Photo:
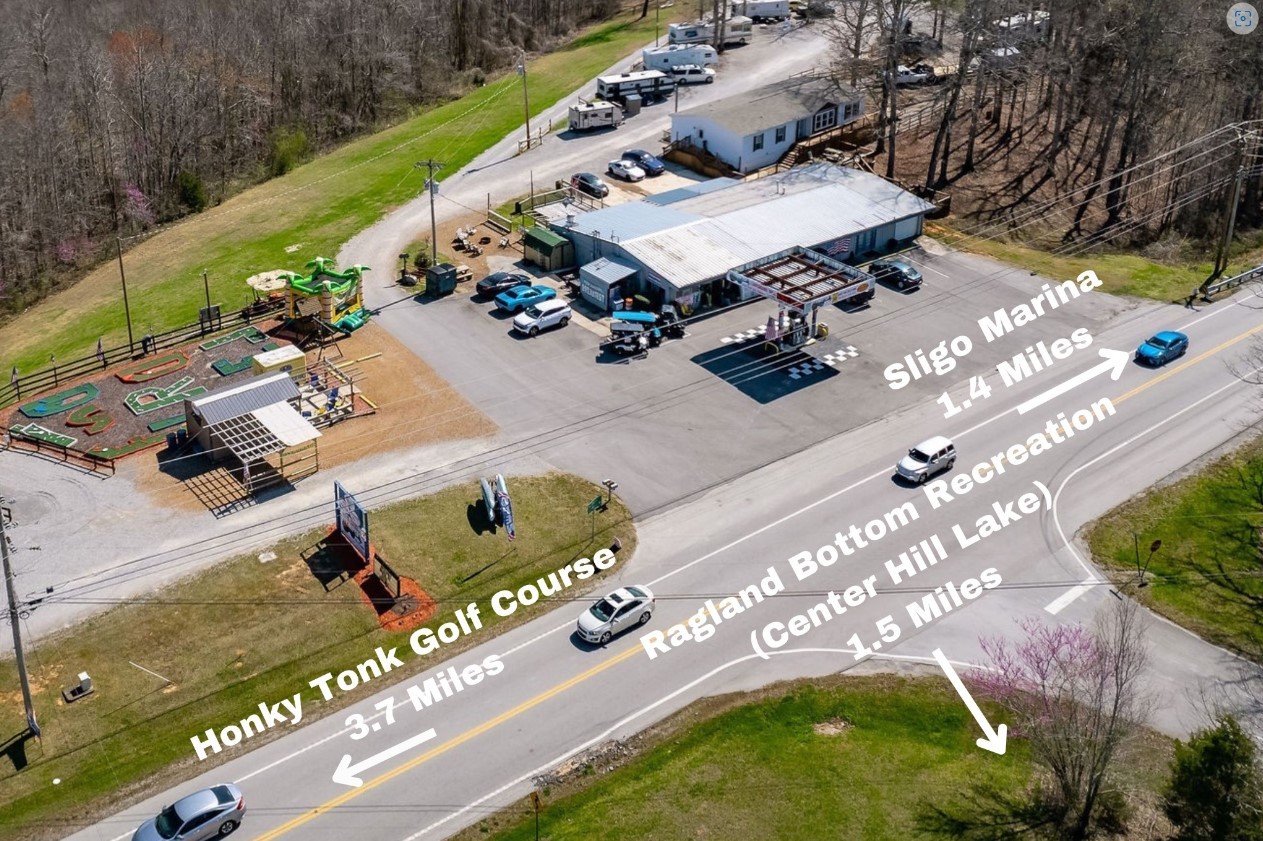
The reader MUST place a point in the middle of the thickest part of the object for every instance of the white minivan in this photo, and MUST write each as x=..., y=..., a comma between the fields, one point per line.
x=542, y=316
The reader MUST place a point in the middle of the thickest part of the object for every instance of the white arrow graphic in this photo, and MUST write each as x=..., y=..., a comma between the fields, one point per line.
x=1115, y=361
x=995, y=738
x=348, y=774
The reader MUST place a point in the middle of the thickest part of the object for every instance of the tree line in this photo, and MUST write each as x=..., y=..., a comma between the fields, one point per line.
x=1146, y=109
x=119, y=115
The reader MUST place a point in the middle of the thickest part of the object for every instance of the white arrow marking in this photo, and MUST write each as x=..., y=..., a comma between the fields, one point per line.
x=348, y=774
x=1115, y=361
x=995, y=738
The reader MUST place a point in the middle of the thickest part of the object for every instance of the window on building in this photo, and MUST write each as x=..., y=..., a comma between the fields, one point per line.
x=825, y=119
x=780, y=134
x=758, y=141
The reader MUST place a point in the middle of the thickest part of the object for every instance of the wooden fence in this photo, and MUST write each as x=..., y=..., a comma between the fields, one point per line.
x=22, y=385
x=21, y=443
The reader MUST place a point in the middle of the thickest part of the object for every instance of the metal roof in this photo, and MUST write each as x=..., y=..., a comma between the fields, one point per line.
x=627, y=221
x=264, y=431
x=539, y=235
x=242, y=399
x=608, y=271
x=773, y=105
x=700, y=188
x=807, y=206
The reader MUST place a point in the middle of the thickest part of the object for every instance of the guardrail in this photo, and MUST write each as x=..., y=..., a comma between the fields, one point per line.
x=1228, y=283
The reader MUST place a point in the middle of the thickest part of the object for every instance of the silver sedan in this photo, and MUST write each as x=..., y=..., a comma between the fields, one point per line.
x=210, y=813
x=625, y=608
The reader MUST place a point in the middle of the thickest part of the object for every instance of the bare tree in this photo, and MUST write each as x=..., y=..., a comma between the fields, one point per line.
x=1074, y=693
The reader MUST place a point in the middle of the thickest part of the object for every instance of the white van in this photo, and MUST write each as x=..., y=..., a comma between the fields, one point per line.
x=542, y=316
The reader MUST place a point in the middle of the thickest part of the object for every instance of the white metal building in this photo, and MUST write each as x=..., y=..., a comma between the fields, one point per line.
x=755, y=129
x=683, y=243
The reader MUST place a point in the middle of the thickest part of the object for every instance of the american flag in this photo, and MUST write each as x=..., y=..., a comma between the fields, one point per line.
x=839, y=246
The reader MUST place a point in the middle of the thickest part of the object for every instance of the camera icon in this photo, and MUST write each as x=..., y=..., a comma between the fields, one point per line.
x=1243, y=18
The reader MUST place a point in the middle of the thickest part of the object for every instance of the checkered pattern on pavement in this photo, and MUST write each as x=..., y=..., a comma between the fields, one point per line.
x=831, y=360
x=745, y=336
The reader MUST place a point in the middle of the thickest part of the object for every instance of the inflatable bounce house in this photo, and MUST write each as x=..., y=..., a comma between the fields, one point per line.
x=326, y=302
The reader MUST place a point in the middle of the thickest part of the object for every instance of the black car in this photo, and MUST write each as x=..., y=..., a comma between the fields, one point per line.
x=494, y=284
x=898, y=272
x=586, y=182
x=650, y=164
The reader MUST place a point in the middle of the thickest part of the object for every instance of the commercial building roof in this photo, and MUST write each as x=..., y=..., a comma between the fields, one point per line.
x=681, y=193
x=627, y=221
x=701, y=237
x=242, y=399
x=608, y=271
x=773, y=105
x=543, y=239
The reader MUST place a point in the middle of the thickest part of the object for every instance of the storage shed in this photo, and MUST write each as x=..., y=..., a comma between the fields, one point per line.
x=546, y=249
x=602, y=282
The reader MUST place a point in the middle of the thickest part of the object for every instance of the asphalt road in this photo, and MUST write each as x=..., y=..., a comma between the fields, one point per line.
x=557, y=696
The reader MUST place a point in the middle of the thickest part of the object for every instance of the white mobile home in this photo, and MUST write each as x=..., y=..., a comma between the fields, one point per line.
x=648, y=84
x=672, y=56
x=737, y=30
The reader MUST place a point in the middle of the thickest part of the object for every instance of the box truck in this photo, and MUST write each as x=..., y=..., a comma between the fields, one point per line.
x=738, y=30
x=672, y=56
x=595, y=114
x=761, y=10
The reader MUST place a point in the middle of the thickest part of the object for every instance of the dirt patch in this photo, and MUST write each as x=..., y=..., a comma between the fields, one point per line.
x=603, y=758
x=832, y=727
x=409, y=404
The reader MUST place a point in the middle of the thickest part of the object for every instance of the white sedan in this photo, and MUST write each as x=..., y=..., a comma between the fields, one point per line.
x=627, y=170
x=626, y=607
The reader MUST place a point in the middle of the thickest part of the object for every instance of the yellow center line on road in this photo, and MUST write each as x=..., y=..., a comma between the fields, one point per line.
x=446, y=746
x=1190, y=363
x=615, y=660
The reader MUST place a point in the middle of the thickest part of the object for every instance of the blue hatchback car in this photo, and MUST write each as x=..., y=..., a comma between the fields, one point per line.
x=520, y=297
x=1162, y=348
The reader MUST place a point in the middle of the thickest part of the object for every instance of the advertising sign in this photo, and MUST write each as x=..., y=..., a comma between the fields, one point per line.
x=351, y=520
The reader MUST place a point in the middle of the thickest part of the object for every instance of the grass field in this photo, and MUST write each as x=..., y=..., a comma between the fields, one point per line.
x=1122, y=273
x=1206, y=574
x=247, y=632
x=314, y=209
x=779, y=766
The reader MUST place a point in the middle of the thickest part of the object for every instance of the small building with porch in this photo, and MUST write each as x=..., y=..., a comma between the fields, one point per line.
x=754, y=129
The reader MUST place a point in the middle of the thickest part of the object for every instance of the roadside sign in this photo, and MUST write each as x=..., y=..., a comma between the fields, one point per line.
x=595, y=504
x=351, y=520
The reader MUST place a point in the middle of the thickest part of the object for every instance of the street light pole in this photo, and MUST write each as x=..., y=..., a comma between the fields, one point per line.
x=15, y=621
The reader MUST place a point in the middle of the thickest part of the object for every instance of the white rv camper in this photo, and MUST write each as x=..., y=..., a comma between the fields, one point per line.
x=761, y=10
x=595, y=114
x=648, y=84
x=669, y=57
x=737, y=30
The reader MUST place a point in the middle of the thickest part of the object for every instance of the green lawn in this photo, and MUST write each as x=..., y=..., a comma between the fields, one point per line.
x=248, y=632
x=1206, y=574
x=741, y=768
x=316, y=207
x=1122, y=273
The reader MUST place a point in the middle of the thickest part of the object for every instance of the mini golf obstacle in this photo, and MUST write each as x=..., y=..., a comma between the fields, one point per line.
x=323, y=306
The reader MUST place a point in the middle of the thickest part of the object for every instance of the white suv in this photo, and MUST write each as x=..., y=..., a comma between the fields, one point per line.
x=692, y=74
x=543, y=315
x=930, y=457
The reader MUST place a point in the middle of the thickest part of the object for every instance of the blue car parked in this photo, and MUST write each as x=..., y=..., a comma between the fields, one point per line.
x=520, y=297
x=1162, y=348
x=650, y=164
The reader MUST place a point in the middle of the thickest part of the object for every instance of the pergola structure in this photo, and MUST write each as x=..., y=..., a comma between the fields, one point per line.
x=251, y=423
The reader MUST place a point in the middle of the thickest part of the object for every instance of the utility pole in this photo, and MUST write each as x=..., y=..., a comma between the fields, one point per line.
x=432, y=187
x=206, y=286
x=657, y=8
x=526, y=104
x=1225, y=242
x=127, y=310
x=14, y=620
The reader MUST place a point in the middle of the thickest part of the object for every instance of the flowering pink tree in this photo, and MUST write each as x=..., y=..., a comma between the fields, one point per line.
x=1074, y=693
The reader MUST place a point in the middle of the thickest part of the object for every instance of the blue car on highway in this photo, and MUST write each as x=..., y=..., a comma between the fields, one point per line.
x=520, y=297
x=1162, y=348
